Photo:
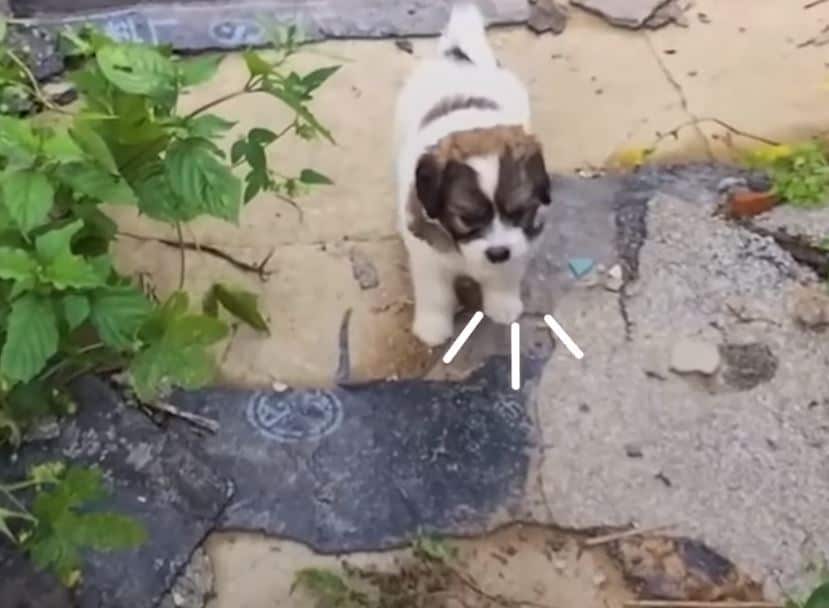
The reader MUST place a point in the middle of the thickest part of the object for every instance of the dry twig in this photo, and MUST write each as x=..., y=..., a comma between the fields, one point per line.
x=202, y=422
x=609, y=538
x=688, y=604
x=259, y=269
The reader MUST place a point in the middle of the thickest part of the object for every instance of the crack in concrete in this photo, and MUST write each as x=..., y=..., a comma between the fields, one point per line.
x=623, y=312
x=683, y=100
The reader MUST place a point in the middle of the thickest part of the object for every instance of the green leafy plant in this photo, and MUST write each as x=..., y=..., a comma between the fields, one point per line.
x=64, y=309
x=59, y=526
x=800, y=173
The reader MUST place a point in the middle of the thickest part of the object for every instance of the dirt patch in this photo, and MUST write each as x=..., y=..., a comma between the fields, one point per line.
x=517, y=566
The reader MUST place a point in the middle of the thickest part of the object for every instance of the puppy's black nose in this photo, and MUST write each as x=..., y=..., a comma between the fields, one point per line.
x=496, y=255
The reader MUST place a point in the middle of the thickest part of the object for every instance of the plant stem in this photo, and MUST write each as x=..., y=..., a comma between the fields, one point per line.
x=182, y=262
x=218, y=101
x=34, y=86
x=61, y=364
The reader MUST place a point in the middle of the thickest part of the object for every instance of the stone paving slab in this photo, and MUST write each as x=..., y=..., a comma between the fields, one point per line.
x=154, y=478
x=369, y=467
x=192, y=25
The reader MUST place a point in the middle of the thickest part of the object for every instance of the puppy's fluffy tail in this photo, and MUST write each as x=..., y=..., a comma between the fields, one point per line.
x=464, y=38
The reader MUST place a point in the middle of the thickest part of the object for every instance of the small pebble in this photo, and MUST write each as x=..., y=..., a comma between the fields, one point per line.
x=811, y=307
x=633, y=451
x=279, y=387
x=729, y=184
x=695, y=356
x=404, y=45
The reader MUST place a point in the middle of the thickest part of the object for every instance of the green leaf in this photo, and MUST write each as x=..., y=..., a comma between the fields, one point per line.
x=50, y=245
x=96, y=183
x=28, y=195
x=63, y=531
x=109, y=532
x=198, y=70
x=255, y=155
x=435, y=549
x=292, y=101
x=819, y=597
x=76, y=310
x=94, y=145
x=117, y=314
x=311, y=177
x=262, y=137
x=158, y=369
x=16, y=264
x=195, y=330
x=241, y=304
x=256, y=181
x=176, y=355
x=201, y=180
x=31, y=338
x=4, y=26
x=317, y=78
x=62, y=148
x=18, y=142
x=208, y=126
x=98, y=231
x=157, y=200
x=238, y=151
x=257, y=66
x=137, y=69
x=71, y=271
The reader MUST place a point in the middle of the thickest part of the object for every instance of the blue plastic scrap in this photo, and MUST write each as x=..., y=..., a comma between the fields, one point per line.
x=580, y=266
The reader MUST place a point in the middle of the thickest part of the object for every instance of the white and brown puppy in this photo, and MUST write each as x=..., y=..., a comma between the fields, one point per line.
x=472, y=183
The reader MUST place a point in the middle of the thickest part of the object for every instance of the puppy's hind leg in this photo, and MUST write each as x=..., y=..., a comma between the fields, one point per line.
x=434, y=297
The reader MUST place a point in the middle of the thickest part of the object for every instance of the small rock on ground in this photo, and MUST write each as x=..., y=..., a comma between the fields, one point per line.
x=695, y=356
x=811, y=307
x=195, y=585
x=364, y=270
x=547, y=16
x=625, y=13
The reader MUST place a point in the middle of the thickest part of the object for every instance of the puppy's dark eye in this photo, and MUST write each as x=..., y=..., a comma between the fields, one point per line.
x=521, y=215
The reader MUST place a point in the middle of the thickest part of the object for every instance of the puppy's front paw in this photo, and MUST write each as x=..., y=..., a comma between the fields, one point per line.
x=433, y=329
x=503, y=307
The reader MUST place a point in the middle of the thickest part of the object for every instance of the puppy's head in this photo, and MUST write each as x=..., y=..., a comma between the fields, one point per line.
x=487, y=197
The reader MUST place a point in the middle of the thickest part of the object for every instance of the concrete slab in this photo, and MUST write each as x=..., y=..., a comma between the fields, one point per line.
x=760, y=444
x=370, y=467
x=200, y=24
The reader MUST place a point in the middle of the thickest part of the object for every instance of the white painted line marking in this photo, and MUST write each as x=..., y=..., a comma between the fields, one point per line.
x=463, y=337
x=515, y=348
x=558, y=330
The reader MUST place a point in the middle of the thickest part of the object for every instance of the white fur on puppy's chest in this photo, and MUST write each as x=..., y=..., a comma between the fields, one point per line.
x=502, y=101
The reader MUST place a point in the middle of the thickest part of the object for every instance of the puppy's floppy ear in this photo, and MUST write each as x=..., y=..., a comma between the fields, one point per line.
x=428, y=181
x=536, y=170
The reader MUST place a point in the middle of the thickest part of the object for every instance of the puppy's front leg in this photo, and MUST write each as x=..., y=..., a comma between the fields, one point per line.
x=434, y=296
x=502, y=296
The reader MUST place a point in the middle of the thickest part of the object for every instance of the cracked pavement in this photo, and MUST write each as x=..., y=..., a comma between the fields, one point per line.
x=623, y=439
